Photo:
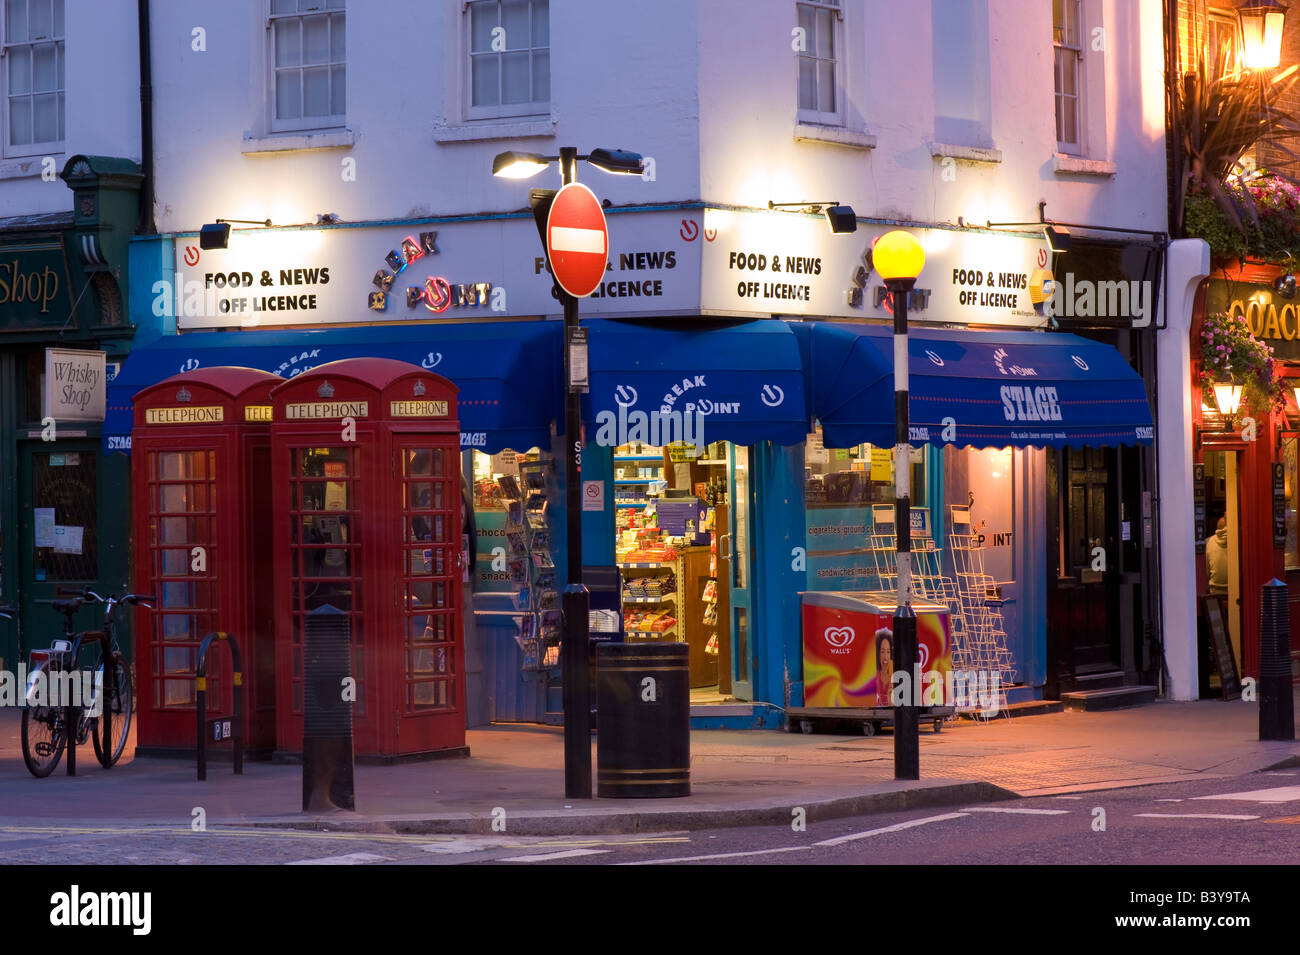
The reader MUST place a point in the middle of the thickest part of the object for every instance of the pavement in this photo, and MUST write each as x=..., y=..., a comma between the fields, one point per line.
x=514, y=776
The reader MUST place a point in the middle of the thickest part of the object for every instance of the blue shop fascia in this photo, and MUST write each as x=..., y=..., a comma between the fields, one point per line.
x=738, y=450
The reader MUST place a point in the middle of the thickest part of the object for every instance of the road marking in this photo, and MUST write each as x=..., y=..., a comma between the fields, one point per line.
x=1279, y=774
x=1168, y=800
x=1294, y=820
x=1190, y=815
x=1023, y=812
x=548, y=856
x=351, y=858
x=1068, y=797
x=911, y=824
x=720, y=855
x=1279, y=794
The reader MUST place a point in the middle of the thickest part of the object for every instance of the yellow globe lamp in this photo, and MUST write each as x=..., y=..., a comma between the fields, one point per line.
x=898, y=258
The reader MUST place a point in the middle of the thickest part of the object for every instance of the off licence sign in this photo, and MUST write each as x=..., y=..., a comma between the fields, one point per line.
x=577, y=240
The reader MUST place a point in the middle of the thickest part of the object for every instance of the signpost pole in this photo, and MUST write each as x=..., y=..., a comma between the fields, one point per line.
x=575, y=645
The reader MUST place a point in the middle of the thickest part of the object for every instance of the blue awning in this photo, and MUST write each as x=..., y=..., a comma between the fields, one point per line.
x=508, y=373
x=982, y=389
x=745, y=380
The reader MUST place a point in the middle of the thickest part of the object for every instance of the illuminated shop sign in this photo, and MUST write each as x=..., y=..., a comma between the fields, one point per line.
x=1270, y=317
x=436, y=293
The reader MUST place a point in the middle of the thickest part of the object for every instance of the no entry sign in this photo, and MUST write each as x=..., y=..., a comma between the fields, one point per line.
x=577, y=240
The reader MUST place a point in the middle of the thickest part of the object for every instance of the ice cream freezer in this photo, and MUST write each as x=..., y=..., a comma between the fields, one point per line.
x=849, y=663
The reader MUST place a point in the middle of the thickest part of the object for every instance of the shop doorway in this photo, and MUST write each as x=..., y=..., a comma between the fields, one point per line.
x=1083, y=582
x=739, y=573
x=1220, y=564
x=58, y=531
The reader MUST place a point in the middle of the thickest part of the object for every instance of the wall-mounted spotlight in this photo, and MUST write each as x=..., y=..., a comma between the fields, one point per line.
x=216, y=235
x=327, y=218
x=1284, y=285
x=1058, y=238
x=841, y=219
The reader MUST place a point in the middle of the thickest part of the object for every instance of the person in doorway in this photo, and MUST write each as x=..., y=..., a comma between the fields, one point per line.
x=1216, y=558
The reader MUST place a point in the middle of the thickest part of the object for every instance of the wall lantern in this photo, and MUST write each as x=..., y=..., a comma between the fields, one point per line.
x=1227, y=396
x=1261, y=33
x=216, y=235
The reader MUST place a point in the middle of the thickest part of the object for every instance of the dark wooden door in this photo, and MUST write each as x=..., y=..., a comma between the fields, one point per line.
x=1084, y=564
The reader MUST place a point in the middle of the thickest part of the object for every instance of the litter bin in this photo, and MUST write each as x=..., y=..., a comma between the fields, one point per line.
x=643, y=738
x=1276, y=704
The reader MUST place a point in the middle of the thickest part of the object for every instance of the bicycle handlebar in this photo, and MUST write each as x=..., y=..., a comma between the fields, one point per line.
x=8, y=612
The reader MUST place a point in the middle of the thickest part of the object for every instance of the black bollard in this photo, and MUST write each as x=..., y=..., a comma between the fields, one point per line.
x=327, y=751
x=1276, y=705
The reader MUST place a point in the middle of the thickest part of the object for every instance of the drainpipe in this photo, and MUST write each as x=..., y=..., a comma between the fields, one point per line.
x=145, y=223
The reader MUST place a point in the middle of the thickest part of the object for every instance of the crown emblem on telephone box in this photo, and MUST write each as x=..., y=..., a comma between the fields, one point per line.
x=326, y=390
x=183, y=395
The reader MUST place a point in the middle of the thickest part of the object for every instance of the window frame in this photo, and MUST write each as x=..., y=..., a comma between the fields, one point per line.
x=1225, y=21
x=59, y=41
x=1076, y=148
x=534, y=109
x=817, y=117
x=333, y=121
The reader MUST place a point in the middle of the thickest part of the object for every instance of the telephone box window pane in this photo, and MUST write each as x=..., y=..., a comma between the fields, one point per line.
x=419, y=462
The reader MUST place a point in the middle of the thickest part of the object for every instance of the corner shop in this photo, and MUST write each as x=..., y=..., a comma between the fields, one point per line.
x=795, y=501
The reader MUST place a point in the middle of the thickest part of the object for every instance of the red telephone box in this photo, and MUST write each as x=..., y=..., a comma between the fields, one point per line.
x=366, y=478
x=200, y=473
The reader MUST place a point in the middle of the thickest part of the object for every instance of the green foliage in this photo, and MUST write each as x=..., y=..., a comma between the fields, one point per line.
x=1229, y=352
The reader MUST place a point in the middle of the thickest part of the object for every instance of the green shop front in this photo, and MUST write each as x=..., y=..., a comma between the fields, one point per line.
x=63, y=333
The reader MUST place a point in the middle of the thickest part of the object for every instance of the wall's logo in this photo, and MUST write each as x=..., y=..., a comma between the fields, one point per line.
x=772, y=395
x=625, y=395
x=839, y=637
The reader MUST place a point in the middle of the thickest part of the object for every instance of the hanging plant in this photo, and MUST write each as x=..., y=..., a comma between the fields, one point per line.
x=1230, y=353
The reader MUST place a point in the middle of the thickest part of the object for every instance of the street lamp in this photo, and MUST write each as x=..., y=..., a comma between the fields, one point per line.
x=575, y=647
x=898, y=258
x=1261, y=33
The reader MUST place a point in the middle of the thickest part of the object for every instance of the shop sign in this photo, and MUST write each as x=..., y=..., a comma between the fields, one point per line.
x=75, y=388
x=33, y=283
x=781, y=263
x=1273, y=319
x=1106, y=284
x=258, y=413
x=488, y=269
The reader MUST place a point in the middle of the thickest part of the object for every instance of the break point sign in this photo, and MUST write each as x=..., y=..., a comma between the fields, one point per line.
x=577, y=240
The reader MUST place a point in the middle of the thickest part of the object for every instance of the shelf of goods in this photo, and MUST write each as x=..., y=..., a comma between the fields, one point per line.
x=532, y=565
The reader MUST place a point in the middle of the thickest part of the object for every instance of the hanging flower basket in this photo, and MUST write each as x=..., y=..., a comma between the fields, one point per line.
x=1229, y=353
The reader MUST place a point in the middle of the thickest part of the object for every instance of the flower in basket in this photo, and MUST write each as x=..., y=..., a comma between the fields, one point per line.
x=1230, y=353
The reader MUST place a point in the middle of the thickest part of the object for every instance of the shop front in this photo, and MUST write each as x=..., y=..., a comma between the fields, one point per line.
x=728, y=463
x=62, y=334
x=1246, y=485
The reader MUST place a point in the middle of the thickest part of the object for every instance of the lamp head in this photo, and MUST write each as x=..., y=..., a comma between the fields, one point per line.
x=517, y=165
x=842, y=219
x=1284, y=285
x=1261, y=33
x=617, y=161
x=1227, y=396
x=897, y=256
x=1058, y=238
x=214, y=235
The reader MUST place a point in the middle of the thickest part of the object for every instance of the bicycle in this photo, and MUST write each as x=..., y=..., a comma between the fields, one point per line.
x=45, y=727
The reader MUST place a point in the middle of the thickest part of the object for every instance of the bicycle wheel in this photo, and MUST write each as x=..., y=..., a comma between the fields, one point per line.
x=43, y=739
x=117, y=710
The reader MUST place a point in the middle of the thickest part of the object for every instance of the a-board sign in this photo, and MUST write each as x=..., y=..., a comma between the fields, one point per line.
x=1221, y=646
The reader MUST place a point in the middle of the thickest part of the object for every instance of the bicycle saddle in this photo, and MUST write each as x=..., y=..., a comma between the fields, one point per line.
x=67, y=607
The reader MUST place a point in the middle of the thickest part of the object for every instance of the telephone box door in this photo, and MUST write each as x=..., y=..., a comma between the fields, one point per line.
x=432, y=689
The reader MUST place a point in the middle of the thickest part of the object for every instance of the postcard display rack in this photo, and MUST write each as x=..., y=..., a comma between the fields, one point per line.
x=530, y=556
x=979, y=639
